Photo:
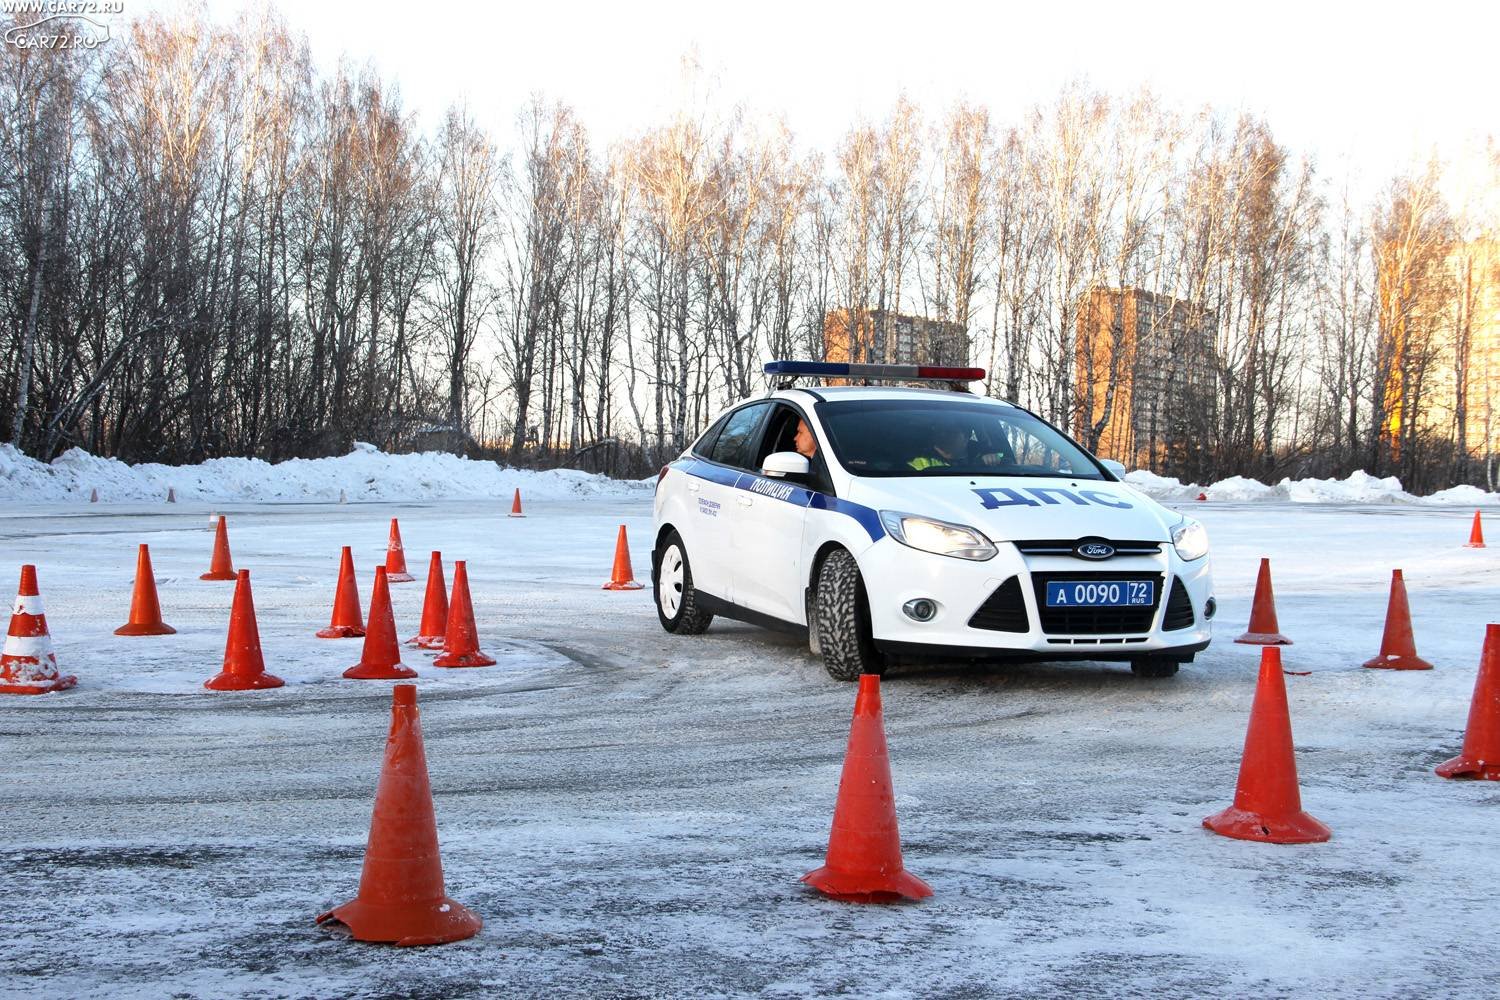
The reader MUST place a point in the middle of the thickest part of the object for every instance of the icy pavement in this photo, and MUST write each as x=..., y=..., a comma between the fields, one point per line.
x=630, y=811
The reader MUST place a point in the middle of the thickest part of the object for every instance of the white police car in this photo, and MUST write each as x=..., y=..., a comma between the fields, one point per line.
x=926, y=522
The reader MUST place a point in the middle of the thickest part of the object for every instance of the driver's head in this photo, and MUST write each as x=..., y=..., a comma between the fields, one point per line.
x=805, y=443
x=950, y=442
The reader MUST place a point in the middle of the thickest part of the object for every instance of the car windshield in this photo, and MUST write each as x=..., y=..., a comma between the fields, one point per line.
x=931, y=437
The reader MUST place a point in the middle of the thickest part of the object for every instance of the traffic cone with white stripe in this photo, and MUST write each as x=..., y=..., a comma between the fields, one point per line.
x=515, y=505
x=28, y=665
x=395, y=557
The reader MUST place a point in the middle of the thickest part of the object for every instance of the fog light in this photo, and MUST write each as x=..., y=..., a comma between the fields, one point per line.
x=1209, y=608
x=920, y=610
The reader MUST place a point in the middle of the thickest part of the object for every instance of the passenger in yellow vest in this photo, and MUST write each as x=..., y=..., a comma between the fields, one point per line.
x=949, y=444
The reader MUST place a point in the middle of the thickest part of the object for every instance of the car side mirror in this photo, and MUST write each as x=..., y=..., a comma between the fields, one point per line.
x=781, y=464
x=1117, y=468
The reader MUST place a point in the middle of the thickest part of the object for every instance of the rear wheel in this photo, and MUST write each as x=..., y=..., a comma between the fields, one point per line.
x=842, y=620
x=1154, y=666
x=676, y=598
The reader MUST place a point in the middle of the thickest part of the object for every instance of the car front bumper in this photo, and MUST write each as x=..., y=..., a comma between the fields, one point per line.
x=895, y=574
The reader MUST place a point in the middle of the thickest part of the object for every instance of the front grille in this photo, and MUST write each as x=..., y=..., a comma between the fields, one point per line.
x=1005, y=611
x=1065, y=546
x=1179, y=613
x=1095, y=621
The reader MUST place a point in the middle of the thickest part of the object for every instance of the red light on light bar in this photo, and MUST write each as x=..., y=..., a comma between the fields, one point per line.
x=954, y=374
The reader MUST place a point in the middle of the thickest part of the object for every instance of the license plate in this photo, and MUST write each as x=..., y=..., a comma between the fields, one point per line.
x=1101, y=594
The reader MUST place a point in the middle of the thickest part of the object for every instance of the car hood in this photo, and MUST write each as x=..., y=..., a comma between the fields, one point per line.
x=1011, y=509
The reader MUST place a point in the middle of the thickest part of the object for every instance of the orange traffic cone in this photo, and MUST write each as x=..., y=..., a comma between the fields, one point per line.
x=244, y=666
x=434, y=609
x=94, y=495
x=402, y=899
x=864, y=848
x=171, y=495
x=1481, y=753
x=1263, y=628
x=515, y=505
x=1267, y=803
x=380, y=660
x=1398, y=649
x=395, y=558
x=28, y=665
x=345, y=623
x=1476, y=534
x=461, y=643
x=1202, y=497
x=221, y=567
x=623, y=577
x=145, y=609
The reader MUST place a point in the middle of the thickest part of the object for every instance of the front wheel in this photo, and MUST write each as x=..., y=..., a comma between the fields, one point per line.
x=842, y=620
x=676, y=598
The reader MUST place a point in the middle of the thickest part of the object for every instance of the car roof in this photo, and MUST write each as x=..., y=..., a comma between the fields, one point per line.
x=851, y=392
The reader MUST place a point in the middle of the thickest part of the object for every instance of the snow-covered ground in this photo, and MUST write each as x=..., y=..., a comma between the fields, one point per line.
x=630, y=811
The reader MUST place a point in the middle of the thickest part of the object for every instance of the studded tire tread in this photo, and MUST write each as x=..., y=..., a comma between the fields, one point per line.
x=843, y=620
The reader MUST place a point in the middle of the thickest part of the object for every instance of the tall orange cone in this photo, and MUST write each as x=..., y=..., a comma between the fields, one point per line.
x=345, y=622
x=244, y=666
x=434, y=608
x=380, y=660
x=515, y=505
x=1398, y=648
x=221, y=568
x=402, y=898
x=1476, y=534
x=145, y=609
x=1267, y=803
x=461, y=643
x=1481, y=753
x=864, y=848
x=623, y=577
x=1263, y=628
x=28, y=665
x=395, y=558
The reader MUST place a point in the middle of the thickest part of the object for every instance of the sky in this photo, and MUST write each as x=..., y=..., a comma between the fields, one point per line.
x=1368, y=88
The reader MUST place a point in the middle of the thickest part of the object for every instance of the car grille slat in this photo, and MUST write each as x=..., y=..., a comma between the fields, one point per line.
x=1065, y=546
x=1095, y=621
x=1179, y=613
x=1004, y=611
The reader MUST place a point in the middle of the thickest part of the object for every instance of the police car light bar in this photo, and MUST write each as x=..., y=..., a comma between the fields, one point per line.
x=906, y=373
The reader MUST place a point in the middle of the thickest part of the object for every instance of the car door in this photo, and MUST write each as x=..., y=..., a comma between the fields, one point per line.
x=767, y=528
x=711, y=488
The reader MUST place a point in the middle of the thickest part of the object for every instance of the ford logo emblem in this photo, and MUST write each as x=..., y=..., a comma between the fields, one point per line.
x=1093, y=550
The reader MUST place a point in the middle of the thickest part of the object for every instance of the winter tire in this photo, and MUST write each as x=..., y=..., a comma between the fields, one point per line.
x=843, y=620
x=1154, y=666
x=676, y=599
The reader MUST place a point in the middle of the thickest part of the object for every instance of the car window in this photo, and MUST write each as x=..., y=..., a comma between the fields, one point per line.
x=737, y=436
x=781, y=435
x=704, y=445
x=928, y=437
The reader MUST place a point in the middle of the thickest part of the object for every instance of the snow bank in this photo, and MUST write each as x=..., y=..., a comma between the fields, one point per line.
x=366, y=473
x=1360, y=487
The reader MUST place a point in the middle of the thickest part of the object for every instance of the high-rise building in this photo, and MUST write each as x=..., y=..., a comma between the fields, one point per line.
x=879, y=336
x=1145, y=371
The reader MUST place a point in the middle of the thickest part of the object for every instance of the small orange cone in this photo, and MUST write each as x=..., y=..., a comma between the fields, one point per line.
x=221, y=567
x=1481, y=753
x=434, y=609
x=345, y=623
x=864, y=862
x=94, y=495
x=244, y=666
x=461, y=643
x=1476, y=534
x=1263, y=628
x=395, y=558
x=1267, y=803
x=28, y=665
x=623, y=577
x=402, y=899
x=1398, y=649
x=1202, y=497
x=380, y=660
x=515, y=505
x=171, y=495
x=145, y=609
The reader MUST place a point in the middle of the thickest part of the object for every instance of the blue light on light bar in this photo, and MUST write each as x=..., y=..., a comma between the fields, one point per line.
x=905, y=373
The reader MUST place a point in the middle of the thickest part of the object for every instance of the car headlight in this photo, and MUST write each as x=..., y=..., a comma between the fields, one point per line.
x=937, y=536
x=1190, y=539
